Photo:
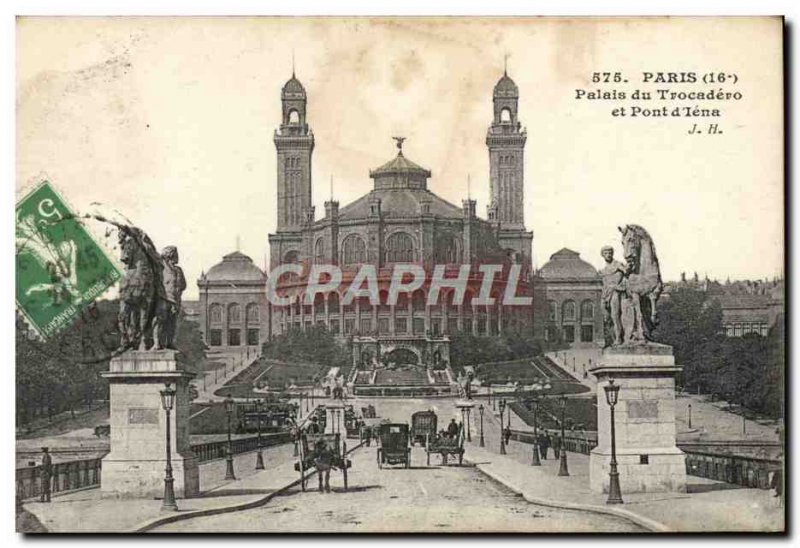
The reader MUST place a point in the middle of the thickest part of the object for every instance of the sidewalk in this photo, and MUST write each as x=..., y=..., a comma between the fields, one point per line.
x=709, y=506
x=86, y=511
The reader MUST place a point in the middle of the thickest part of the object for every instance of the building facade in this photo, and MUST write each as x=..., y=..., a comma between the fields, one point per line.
x=233, y=312
x=401, y=221
x=748, y=306
x=573, y=289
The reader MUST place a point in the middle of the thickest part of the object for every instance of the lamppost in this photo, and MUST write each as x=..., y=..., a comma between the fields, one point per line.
x=480, y=411
x=259, y=456
x=230, y=405
x=614, y=494
x=494, y=399
x=690, y=415
x=502, y=406
x=306, y=403
x=167, y=401
x=563, y=470
x=535, y=460
x=469, y=429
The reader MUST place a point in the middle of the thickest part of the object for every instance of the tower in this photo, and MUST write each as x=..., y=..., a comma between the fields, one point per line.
x=506, y=142
x=294, y=142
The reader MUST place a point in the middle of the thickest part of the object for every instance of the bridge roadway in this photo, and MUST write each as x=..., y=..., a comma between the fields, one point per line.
x=418, y=499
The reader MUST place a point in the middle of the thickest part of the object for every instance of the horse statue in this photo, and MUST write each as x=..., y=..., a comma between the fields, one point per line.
x=141, y=290
x=641, y=287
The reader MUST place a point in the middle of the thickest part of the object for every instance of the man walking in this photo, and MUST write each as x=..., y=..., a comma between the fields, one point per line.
x=556, y=446
x=544, y=443
x=47, y=474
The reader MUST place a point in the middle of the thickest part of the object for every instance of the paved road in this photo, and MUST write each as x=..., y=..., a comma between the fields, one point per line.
x=420, y=499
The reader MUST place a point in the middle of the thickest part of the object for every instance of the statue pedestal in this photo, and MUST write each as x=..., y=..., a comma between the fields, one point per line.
x=135, y=466
x=648, y=459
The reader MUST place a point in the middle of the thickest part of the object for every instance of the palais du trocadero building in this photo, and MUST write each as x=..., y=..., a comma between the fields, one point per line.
x=400, y=221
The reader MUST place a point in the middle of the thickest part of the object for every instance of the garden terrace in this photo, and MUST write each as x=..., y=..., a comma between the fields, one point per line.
x=524, y=371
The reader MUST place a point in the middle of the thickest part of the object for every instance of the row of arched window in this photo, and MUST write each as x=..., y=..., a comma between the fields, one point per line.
x=399, y=248
x=417, y=300
x=293, y=162
x=506, y=159
x=568, y=310
x=216, y=313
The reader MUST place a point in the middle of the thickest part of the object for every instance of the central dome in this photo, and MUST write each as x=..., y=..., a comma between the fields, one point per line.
x=400, y=173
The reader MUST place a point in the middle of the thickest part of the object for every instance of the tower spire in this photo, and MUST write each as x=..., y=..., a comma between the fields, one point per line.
x=469, y=187
x=331, y=187
x=505, y=64
x=292, y=62
x=238, y=243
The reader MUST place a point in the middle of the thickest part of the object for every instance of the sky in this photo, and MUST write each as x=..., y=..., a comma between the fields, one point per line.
x=169, y=121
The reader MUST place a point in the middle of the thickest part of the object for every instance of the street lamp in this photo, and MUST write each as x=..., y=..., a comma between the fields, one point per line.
x=259, y=456
x=494, y=399
x=535, y=460
x=480, y=411
x=502, y=406
x=469, y=429
x=167, y=402
x=614, y=494
x=690, y=415
x=563, y=470
x=306, y=403
x=230, y=405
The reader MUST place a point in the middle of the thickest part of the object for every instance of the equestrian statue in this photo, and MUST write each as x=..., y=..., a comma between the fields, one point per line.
x=631, y=290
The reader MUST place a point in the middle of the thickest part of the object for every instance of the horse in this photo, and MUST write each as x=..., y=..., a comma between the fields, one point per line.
x=141, y=290
x=643, y=283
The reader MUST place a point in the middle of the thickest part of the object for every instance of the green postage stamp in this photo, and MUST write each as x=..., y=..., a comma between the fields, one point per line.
x=59, y=267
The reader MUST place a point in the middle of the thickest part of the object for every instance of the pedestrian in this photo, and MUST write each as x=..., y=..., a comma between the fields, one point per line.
x=556, y=446
x=452, y=429
x=507, y=434
x=323, y=461
x=544, y=443
x=47, y=474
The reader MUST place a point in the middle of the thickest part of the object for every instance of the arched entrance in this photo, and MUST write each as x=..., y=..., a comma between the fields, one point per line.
x=400, y=357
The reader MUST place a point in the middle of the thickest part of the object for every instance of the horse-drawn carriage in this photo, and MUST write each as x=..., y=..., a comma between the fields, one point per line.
x=423, y=424
x=445, y=446
x=310, y=446
x=395, y=447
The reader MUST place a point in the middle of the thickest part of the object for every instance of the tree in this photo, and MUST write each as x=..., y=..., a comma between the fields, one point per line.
x=746, y=371
x=62, y=373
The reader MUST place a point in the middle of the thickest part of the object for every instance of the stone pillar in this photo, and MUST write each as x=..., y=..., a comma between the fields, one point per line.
x=648, y=459
x=474, y=319
x=334, y=409
x=134, y=467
